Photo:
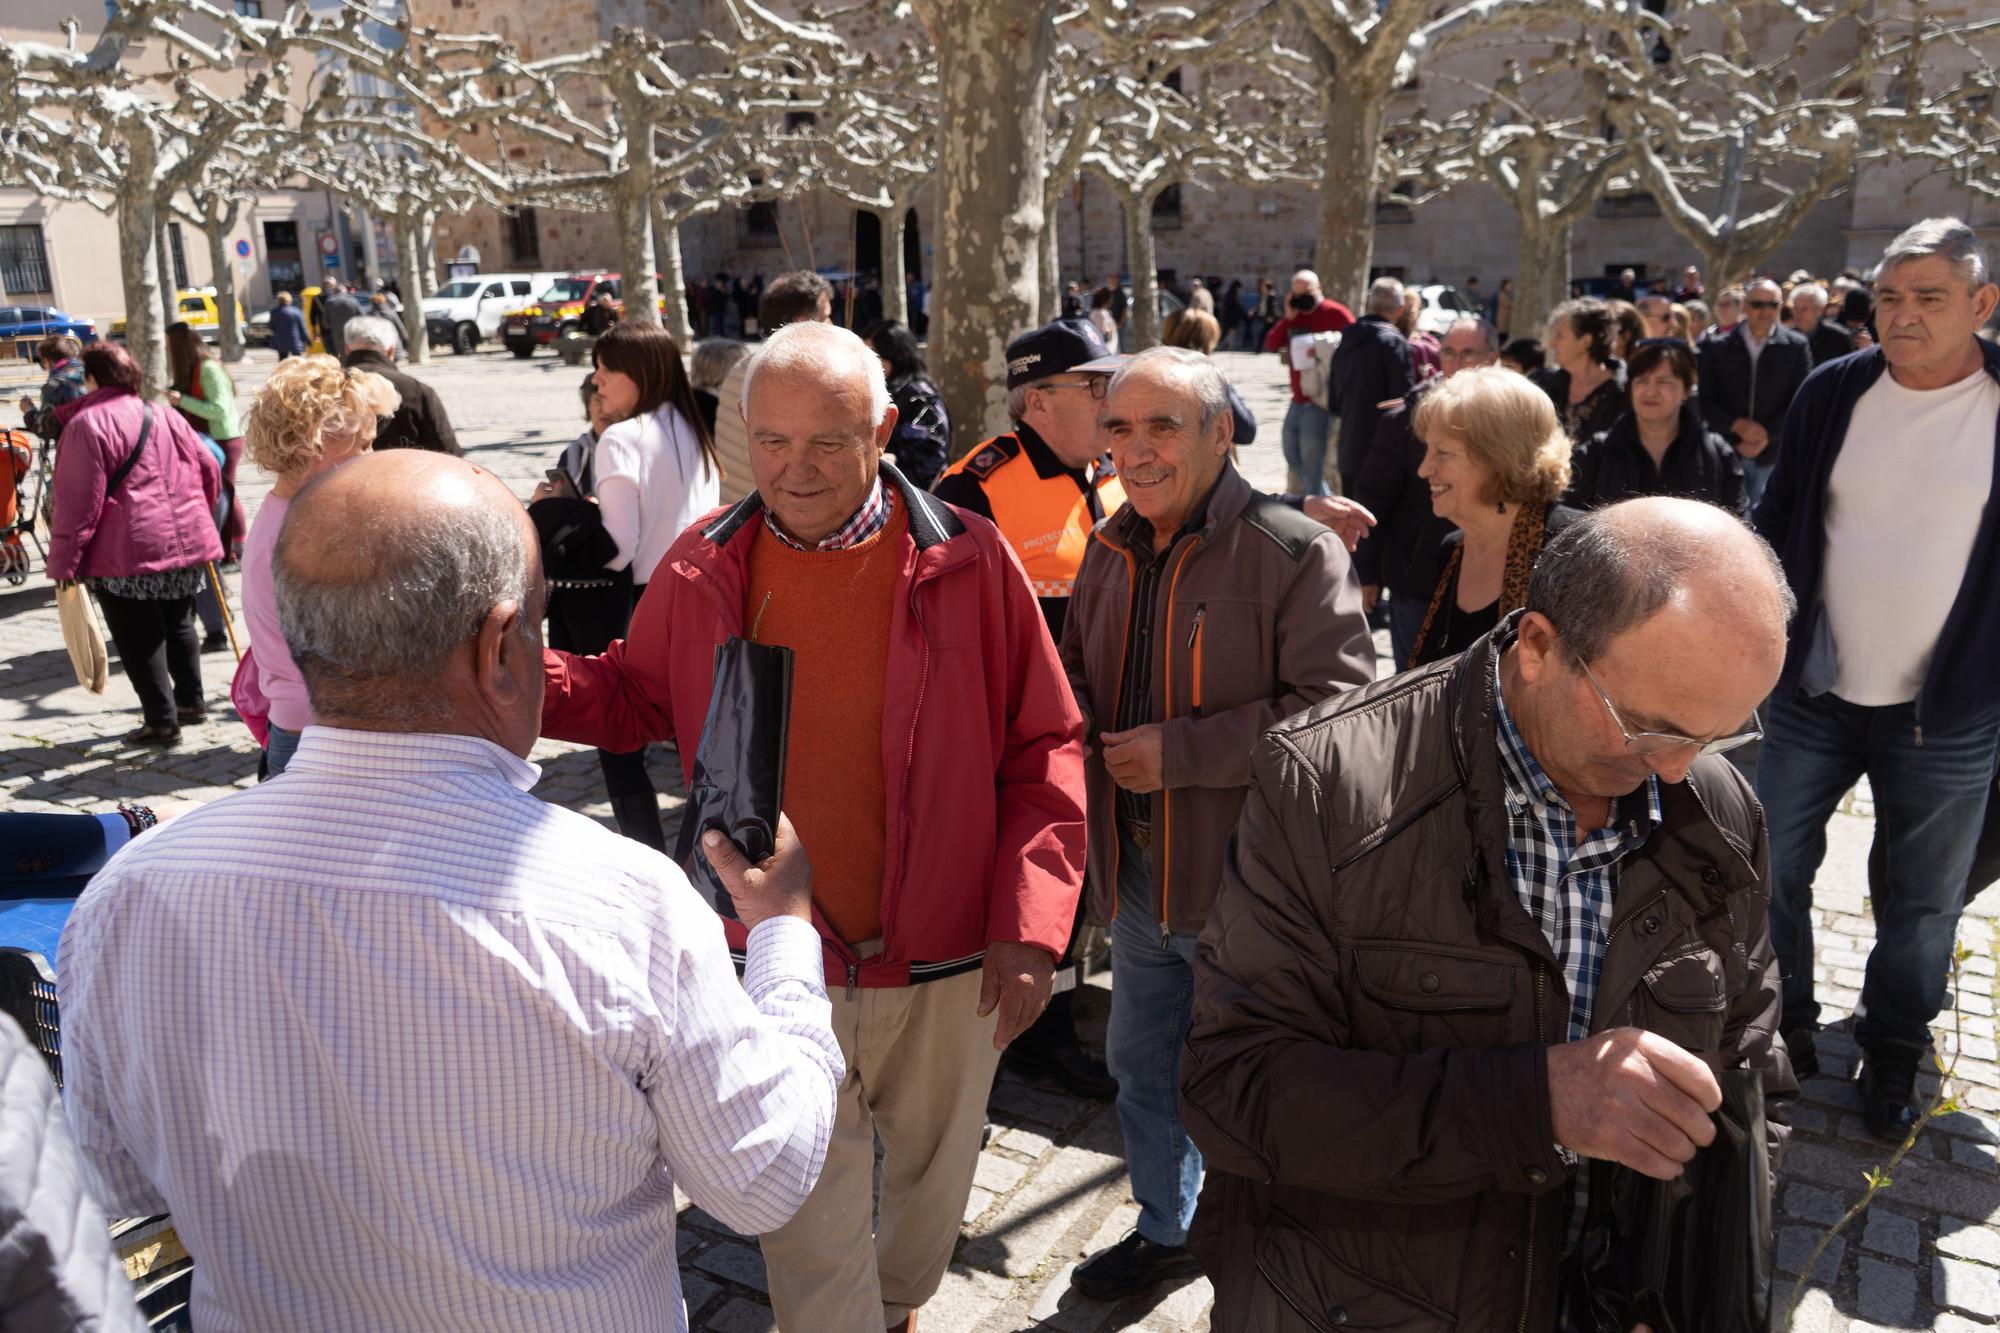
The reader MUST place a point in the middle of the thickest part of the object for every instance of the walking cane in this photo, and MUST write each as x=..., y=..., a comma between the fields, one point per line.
x=222, y=600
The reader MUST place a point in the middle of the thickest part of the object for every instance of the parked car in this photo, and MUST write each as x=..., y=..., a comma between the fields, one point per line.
x=197, y=305
x=1444, y=305
x=466, y=311
x=559, y=310
x=26, y=325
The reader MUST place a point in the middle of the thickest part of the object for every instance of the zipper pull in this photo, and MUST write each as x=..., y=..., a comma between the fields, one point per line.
x=1195, y=632
x=1166, y=936
x=853, y=971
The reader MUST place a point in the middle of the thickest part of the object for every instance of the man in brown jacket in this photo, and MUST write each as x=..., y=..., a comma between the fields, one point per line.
x=1486, y=928
x=1202, y=614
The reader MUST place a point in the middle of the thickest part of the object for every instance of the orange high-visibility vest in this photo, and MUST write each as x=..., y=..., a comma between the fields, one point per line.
x=1047, y=520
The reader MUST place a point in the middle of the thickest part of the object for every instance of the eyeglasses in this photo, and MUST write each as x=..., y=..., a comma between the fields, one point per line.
x=1761, y=305
x=1099, y=385
x=1659, y=742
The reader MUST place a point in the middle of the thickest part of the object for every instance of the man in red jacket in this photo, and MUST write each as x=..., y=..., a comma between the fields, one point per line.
x=1307, y=424
x=934, y=775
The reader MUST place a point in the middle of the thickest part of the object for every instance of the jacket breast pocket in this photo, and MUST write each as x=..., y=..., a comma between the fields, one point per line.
x=1322, y=1293
x=1685, y=999
x=1408, y=998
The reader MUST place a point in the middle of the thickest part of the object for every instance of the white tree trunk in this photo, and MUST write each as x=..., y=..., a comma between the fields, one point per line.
x=428, y=254
x=641, y=289
x=229, y=333
x=673, y=285
x=1051, y=264
x=1142, y=256
x=409, y=278
x=170, y=280
x=993, y=58
x=1346, y=242
x=895, y=279
x=139, y=263
x=1541, y=278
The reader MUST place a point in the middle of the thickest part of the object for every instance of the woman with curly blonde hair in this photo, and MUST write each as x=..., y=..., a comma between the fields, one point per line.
x=1496, y=460
x=312, y=415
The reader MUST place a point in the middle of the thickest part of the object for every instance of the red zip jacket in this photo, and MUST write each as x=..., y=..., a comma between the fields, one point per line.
x=982, y=742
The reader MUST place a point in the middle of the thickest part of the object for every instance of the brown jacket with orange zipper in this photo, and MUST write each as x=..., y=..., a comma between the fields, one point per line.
x=1258, y=617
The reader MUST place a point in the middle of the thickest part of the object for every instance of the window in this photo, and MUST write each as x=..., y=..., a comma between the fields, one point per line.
x=522, y=287
x=523, y=236
x=1167, y=207
x=797, y=122
x=24, y=264
x=494, y=290
x=191, y=305
x=250, y=9
x=760, y=220
x=178, y=272
x=1632, y=204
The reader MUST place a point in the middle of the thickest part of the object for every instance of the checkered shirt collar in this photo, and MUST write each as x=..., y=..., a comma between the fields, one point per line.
x=868, y=520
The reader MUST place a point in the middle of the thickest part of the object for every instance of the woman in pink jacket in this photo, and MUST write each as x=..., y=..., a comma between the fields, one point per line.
x=135, y=496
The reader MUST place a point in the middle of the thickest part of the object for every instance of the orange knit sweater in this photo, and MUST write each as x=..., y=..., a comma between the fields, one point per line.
x=833, y=609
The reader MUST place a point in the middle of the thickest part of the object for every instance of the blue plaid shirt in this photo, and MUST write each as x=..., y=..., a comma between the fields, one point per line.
x=1567, y=883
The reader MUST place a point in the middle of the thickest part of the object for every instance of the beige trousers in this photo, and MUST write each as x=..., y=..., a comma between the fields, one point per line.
x=920, y=1064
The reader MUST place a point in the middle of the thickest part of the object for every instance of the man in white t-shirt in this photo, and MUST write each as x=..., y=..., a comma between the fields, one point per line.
x=1881, y=510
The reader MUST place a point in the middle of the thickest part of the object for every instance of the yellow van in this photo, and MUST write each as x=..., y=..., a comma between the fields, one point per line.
x=197, y=306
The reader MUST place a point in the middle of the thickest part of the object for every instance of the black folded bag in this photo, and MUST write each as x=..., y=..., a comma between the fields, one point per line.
x=738, y=784
x=574, y=542
x=1692, y=1255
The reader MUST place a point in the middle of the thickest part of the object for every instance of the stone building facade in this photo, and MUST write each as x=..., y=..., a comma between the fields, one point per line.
x=1231, y=232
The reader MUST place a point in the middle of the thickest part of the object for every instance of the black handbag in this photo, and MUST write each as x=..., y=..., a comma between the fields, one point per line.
x=738, y=784
x=1690, y=1255
x=574, y=542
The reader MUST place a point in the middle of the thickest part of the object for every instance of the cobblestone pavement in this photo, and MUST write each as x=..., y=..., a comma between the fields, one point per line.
x=1050, y=1187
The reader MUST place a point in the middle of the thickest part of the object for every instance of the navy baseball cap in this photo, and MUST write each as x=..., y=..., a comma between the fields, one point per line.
x=1051, y=350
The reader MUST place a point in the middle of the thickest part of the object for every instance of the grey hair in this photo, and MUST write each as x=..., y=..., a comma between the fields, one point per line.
x=1385, y=296
x=1755, y=283
x=1488, y=335
x=1199, y=373
x=810, y=343
x=712, y=361
x=373, y=638
x=1600, y=577
x=1307, y=276
x=1949, y=239
x=370, y=331
x=1811, y=291
x=1017, y=402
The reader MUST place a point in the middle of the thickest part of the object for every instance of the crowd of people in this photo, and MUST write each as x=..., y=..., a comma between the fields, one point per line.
x=1410, y=975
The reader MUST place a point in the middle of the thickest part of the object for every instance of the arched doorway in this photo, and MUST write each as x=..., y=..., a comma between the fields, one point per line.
x=867, y=242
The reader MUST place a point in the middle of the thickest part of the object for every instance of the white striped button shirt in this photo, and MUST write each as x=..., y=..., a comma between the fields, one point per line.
x=402, y=1047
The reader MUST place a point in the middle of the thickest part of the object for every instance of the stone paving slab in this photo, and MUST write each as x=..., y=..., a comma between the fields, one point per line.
x=1050, y=1186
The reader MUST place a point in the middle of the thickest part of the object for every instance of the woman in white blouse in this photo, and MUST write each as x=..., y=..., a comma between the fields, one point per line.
x=656, y=468
x=652, y=472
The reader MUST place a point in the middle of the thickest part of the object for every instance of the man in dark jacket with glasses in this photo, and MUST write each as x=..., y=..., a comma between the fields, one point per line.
x=1484, y=930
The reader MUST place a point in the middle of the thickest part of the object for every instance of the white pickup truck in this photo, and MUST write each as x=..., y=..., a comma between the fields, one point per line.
x=467, y=311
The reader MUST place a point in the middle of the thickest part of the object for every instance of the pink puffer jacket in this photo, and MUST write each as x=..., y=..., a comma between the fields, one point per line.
x=161, y=517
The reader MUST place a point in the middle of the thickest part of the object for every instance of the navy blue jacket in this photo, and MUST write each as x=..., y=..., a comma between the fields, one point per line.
x=1963, y=682
x=1370, y=367
x=288, y=330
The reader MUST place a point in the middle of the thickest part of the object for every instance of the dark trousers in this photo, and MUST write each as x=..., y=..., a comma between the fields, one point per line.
x=161, y=651
x=1931, y=793
x=586, y=620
